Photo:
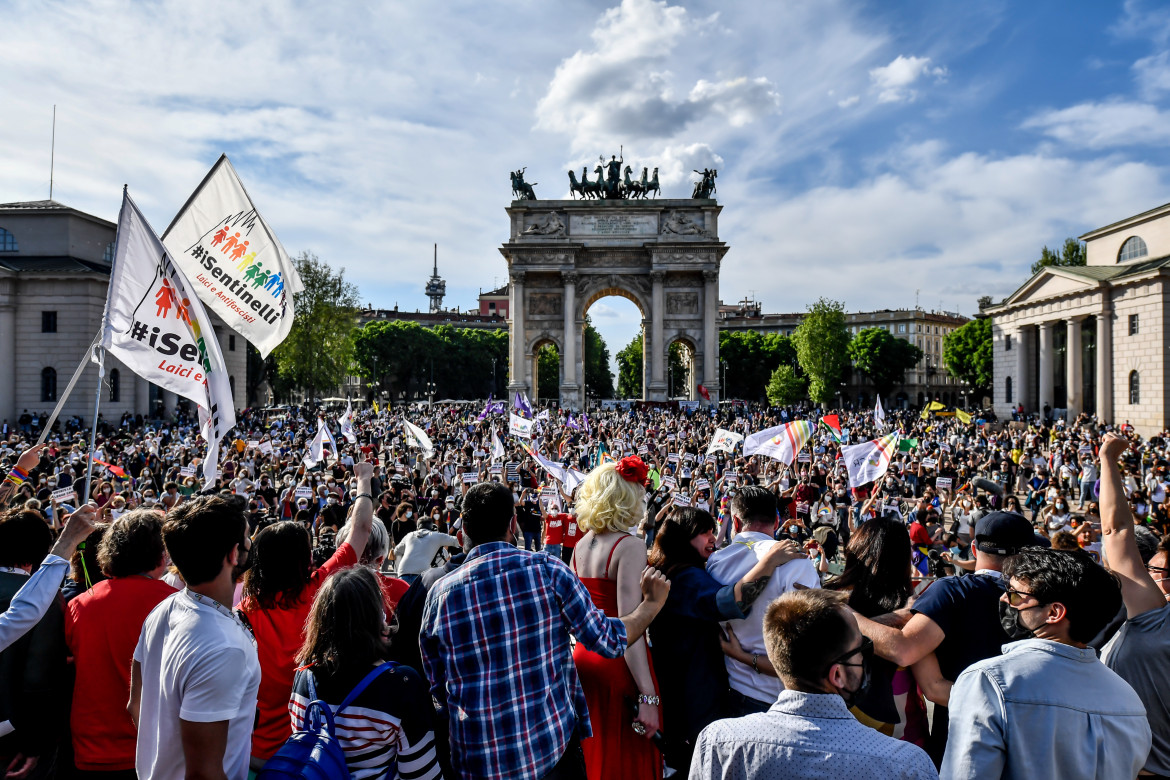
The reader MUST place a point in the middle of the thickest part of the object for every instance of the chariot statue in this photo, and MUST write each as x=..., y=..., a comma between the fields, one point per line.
x=705, y=187
x=522, y=190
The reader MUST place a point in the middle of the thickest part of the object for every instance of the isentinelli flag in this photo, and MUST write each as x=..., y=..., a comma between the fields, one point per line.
x=233, y=259
x=156, y=325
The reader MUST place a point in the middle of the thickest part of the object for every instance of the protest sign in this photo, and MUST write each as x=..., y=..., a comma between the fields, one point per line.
x=266, y=447
x=803, y=457
x=943, y=483
x=682, y=499
x=470, y=477
x=701, y=484
x=929, y=463
x=303, y=492
x=253, y=444
x=63, y=495
x=187, y=471
x=669, y=481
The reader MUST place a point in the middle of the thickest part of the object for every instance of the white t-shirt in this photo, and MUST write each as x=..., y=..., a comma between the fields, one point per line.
x=198, y=665
x=728, y=566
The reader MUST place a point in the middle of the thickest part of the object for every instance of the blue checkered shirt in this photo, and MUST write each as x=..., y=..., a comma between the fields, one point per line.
x=495, y=646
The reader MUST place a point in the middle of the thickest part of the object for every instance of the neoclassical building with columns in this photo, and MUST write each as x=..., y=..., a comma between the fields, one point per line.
x=1092, y=338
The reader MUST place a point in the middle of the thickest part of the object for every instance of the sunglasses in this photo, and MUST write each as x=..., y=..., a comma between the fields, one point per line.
x=1016, y=597
x=866, y=650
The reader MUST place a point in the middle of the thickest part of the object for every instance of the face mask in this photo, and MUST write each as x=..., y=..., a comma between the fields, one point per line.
x=852, y=697
x=793, y=529
x=1009, y=620
x=409, y=515
x=244, y=564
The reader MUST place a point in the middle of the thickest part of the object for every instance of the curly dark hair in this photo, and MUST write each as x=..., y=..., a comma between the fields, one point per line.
x=1090, y=594
x=672, y=551
x=346, y=624
x=132, y=544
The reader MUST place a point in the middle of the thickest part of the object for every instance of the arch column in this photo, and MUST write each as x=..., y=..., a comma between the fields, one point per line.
x=711, y=334
x=1020, y=389
x=518, y=365
x=1105, y=364
x=1045, y=379
x=1073, y=371
x=655, y=389
x=8, y=378
x=571, y=390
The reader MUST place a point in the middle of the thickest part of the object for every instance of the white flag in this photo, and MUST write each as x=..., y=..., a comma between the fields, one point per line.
x=781, y=442
x=879, y=415
x=316, y=452
x=417, y=437
x=346, y=423
x=235, y=262
x=724, y=440
x=156, y=326
x=518, y=426
x=497, y=447
x=867, y=461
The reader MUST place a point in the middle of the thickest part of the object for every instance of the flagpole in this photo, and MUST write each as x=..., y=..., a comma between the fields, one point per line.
x=97, y=402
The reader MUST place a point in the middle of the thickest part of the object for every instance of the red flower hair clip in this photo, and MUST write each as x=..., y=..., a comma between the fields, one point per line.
x=632, y=469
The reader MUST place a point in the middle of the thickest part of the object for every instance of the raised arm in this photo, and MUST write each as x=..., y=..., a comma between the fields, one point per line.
x=631, y=560
x=1138, y=589
x=363, y=509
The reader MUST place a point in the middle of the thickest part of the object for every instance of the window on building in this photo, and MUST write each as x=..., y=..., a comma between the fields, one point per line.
x=1007, y=343
x=902, y=328
x=232, y=385
x=48, y=322
x=1132, y=249
x=115, y=386
x=1133, y=324
x=108, y=256
x=48, y=384
x=231, y=343
x=7, y=241
x=1135, y=388
x=491, y=305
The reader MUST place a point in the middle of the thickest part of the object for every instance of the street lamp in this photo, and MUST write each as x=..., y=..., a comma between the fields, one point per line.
x=723, y=379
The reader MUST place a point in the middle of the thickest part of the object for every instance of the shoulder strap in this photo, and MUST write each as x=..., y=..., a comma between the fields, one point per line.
x=611, y=551
x=369, y=678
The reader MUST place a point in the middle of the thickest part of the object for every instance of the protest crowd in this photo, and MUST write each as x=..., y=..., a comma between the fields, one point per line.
x=516, y=592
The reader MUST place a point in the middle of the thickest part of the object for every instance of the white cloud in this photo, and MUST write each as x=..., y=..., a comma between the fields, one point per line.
x=893, y=82
x=623, y=88
x=852, y=100
x=1153, y=74
x=1104, y=125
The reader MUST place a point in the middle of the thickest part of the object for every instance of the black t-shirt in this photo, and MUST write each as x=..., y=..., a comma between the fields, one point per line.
x=528, y=518
x=967, y=610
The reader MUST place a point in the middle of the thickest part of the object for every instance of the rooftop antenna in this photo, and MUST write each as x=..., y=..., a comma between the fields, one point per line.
x=53, y=151
x=916, y=298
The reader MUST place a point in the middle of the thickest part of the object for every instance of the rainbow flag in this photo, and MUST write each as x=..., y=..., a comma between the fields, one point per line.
x=869, y=460
x=782, y=442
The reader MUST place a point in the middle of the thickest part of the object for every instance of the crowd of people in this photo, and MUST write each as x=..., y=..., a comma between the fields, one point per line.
x=622, y=594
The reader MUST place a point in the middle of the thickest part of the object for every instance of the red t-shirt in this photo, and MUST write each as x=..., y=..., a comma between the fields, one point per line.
x=280, y=633
x=102, y=627
x=573, y=533
x=554, y=528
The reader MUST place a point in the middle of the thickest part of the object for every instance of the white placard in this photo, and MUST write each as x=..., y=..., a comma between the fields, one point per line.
x=701, y=484
x=470, y=477
x=943, y=483
x=265, y=447
x=672, y=457
x=303, y=492
x=803, y=457
x=254, y=444
x=187, y=471
x=64, y=495
x=682, y=500
x=669, y=481
x=929, y=463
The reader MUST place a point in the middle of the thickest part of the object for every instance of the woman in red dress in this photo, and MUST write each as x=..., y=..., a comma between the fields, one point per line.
x=622, y=693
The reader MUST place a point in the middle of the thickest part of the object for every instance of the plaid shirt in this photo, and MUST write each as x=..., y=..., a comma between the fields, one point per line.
x=495, y=646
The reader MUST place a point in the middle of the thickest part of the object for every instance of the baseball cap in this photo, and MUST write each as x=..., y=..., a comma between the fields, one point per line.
x=450, y=499
x=1003, y=533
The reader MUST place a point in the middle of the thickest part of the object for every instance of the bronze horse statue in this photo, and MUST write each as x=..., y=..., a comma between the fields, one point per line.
x=522, y=190
x=652, y=185
x=588, y=189
x=632, y=189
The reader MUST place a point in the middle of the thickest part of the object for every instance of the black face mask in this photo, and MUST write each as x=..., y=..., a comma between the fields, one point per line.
x=1009, y=621
x=244, y=564
x=858, y=693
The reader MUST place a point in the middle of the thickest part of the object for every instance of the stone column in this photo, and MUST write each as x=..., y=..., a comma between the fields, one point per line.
x=518, y=365
x=1105, y=364
x=711, y=333
x=8, y=378
x=570, y=390
x=656, y=390
x=1073, y=370
x=1045, y=379
x=169, y=398
x=141, y=394
x=1020, y=390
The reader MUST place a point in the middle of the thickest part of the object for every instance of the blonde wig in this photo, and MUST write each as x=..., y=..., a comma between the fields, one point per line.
x=607, y=502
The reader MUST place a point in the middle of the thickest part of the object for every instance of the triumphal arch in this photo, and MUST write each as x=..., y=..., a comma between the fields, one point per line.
x=662, y=254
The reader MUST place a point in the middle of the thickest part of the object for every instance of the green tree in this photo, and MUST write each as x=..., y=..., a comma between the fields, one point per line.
x=967, y=354
x=883, y=357
x=318, y=351
x=598, y=376
x=785, y=387
x=630, y=369
x=548, y=372
x=750, y=359
x=822, y=341
x=402, y=358
x=1071, y=254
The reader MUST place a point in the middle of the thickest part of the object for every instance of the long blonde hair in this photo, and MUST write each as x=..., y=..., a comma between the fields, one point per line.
x=607, y=502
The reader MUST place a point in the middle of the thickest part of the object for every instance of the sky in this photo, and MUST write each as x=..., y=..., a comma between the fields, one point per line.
x=879, y=154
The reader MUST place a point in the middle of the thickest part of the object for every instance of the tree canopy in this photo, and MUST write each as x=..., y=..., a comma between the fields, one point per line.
x=1070, y=255
x=751, y=359
x=785, y=387
x=630, y=369
x=317, y=354
x=821, y=342
x=883, y=357
x=401, y=358
x=968, y=356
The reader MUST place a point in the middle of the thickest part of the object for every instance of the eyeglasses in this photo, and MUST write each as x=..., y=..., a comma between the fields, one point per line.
x=1016, y=597
x=865, y=648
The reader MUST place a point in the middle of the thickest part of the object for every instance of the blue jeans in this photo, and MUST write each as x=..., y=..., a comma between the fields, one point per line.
x=553, y=550
x=532, y=540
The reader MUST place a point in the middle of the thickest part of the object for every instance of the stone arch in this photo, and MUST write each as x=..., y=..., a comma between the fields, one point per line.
x=533, y=369
x=558, y=268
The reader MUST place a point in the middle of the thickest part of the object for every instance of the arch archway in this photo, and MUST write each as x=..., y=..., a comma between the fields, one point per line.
x=564, y=256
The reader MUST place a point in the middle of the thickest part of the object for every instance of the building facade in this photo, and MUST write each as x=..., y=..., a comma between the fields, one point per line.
x=928, y=381
x=54, y=272
x=1092, y=338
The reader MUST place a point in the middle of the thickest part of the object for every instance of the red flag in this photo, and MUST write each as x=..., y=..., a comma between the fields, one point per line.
x=833, y=422
x=703, y=392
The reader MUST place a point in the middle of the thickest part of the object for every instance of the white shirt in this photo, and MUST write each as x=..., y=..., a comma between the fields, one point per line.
x=198, y=665
x=728, y=566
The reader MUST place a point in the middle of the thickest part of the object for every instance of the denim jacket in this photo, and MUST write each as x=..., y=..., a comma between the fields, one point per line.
x=1044, y=710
